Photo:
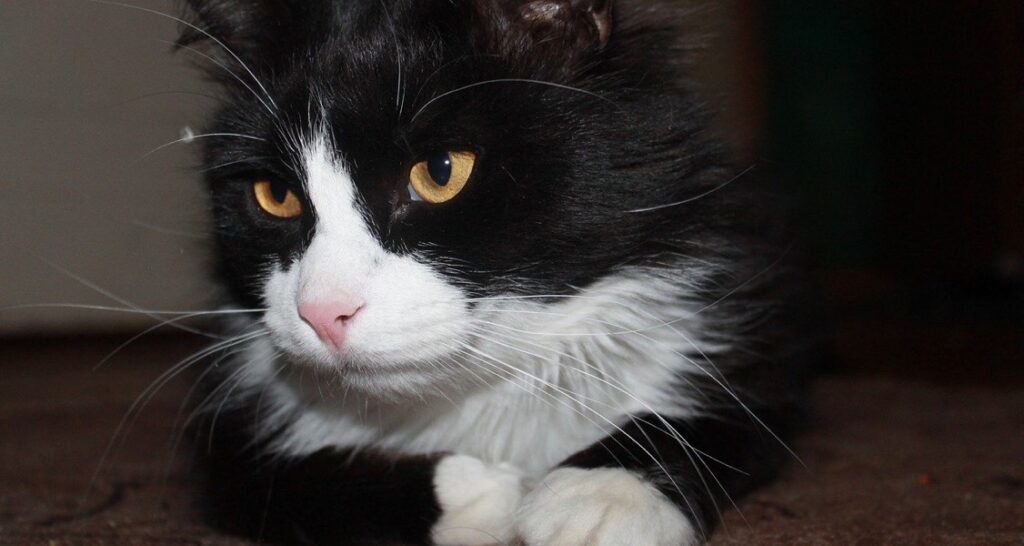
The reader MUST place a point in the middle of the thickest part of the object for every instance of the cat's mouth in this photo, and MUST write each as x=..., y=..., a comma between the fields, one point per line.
x=380, y=377
x=369, y=354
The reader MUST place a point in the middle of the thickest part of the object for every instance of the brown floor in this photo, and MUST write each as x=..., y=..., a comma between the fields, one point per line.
x=899, y=461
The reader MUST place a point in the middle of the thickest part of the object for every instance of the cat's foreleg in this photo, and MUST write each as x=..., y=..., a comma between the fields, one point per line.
x=649, y=486
x=328, y=497
x=338, y=497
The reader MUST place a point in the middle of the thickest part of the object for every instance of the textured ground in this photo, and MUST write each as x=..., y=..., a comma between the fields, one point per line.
x=890, y=459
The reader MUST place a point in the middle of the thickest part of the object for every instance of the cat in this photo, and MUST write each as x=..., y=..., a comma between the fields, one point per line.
x=495, y=283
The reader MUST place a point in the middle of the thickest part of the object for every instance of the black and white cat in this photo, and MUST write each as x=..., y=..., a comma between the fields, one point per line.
x=506, y=288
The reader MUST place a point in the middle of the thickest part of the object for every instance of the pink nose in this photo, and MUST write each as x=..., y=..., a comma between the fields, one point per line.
x=330, y=319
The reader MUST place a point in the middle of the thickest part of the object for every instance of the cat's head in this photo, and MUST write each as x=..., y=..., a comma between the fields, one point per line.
x=390, y=178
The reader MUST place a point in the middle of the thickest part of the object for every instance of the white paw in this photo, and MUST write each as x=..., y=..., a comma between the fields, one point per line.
x=478, y=502
x=601, y=507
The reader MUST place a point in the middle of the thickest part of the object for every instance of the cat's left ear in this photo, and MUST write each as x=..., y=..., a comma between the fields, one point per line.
x=575, y=24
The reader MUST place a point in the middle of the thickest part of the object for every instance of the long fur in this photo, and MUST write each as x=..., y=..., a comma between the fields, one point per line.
x=606, y=292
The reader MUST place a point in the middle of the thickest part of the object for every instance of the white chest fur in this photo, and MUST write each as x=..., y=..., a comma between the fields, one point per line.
x=536, y=383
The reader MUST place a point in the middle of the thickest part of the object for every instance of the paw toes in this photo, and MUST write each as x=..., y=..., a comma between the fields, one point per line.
x=601, y=507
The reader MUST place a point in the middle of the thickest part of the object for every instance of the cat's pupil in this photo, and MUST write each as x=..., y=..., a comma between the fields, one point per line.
x=278, y=191
x=440, y=168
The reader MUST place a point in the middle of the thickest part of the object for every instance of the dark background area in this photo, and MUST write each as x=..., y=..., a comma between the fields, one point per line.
x=898, y=130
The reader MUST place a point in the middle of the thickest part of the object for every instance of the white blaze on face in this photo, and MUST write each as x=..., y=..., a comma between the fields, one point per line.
x=408, y=313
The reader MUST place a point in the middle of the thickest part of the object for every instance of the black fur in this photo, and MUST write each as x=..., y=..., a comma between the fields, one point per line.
x=567, y=174
x=330, y=497
x=570, y=162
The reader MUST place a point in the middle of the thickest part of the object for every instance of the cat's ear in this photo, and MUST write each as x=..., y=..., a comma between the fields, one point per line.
x=233, y=23
x=576, y=24
x=580, y=22
x=233, y=31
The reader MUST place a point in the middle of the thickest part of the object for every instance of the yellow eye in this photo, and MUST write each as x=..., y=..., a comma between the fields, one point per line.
x=441, y=177
x=276, y=199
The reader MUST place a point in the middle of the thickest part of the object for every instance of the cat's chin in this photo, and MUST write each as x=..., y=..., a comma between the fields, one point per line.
x=394, y=385
x=369, y=375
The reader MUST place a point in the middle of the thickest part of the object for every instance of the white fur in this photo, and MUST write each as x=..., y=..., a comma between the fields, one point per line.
x=410, y=313
x=478, y=501
x=601, y=507
x=575, y=370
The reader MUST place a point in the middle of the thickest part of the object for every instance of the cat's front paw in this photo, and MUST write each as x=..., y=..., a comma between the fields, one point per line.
x=600, y=507
x=478, y=502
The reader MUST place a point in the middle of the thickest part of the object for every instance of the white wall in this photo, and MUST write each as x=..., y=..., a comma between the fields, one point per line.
x=75, y=123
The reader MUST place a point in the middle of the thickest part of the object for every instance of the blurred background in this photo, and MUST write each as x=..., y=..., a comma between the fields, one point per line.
x=88, y=91
x=896, y=128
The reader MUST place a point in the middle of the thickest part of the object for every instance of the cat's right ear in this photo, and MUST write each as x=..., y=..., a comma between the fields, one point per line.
x=572, y=25
x=233, y=32
x=587, y=23
x=228, y=25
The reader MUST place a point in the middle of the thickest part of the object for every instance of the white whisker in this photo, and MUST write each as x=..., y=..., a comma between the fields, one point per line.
x=135, y=409
x=106, y=293
x=669, y=430
x=191, y=138
x=152, y=313
x=580, y=403
x=507, y=80
x=197, y=29
x=168, y=231
x=696, y=197
x=142, y=334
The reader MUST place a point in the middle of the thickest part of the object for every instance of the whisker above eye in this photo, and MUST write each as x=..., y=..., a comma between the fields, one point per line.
x=509, y=80
x=190, y=137
x=438, y=70
x=400, y=86
x=254, y=160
